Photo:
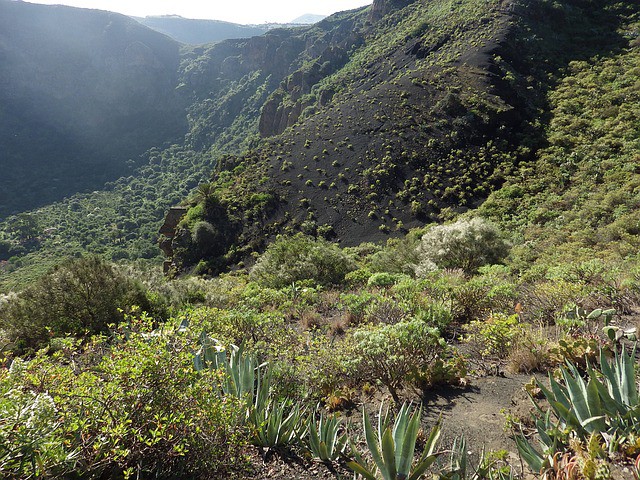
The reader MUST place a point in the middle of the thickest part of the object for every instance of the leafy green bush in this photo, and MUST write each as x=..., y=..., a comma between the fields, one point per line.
x=465, y=244
x=494, y=337
x=384, y=279
x=140, y=410
x=391, y=354
x=297, y=258
x=31, y=443
x=80, y=296
x=207, y=239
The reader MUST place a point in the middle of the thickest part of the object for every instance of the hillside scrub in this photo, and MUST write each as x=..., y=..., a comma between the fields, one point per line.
x=326, y=346
x=80, y=297
x=298, y=258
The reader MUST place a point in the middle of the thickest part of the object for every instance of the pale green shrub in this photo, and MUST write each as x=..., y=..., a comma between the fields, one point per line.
x=391, y=354
x=465, y=244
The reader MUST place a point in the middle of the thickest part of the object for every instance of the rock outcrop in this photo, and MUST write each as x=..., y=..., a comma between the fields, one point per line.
x=168, y=232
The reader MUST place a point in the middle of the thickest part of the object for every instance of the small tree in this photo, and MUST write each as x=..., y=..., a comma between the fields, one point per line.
x=465, y=244
x=390, y=354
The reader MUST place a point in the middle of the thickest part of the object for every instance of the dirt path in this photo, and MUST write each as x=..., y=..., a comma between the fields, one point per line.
x=473, y=411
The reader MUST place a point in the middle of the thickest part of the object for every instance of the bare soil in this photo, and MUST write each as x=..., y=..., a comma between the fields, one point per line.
x=476, y=411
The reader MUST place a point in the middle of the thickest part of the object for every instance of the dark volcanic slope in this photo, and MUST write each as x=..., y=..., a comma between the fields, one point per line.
x=418, y=113
x=81, y=92
x=405, y=118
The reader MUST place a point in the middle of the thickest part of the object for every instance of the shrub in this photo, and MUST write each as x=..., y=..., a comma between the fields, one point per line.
x=80, y=296
x=391, y=354
x=297, y=258
x=32, y=444
x=384, y=279
x=494, y=337
x=142, y=411
x=207, y=239
x=465, y=244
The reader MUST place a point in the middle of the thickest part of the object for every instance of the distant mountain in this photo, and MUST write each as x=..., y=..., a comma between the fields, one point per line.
x=81, y=93
x=308, y=19
x=197, y=32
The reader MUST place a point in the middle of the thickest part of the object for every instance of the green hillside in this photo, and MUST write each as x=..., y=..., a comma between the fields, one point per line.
x=71, y=82
x=392, y=232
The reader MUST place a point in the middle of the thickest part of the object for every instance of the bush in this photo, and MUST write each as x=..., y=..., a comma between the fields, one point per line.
x=82, y=296
x=465, y=244
x=384, y=279
x=143, y=411
x=495, y=337
x=207, y=239
x=298, y=258
x=391, y=354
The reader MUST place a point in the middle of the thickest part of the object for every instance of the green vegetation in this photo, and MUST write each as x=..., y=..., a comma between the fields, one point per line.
x=299, y=258
x=169, y=400
x=420, y=115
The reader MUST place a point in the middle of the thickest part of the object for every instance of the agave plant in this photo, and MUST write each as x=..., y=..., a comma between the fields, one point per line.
x=245, y=377
x=276, y=424
x=392, y=447
x=460, y=468
x=606, y=404
x=324, y=439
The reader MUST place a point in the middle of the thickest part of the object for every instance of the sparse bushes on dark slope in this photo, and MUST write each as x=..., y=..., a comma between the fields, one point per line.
x=293, y=259
x=81, y=296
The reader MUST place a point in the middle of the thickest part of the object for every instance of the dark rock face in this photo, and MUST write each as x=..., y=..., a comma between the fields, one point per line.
x=285, y=106
x=168, y=232
x=381, y=7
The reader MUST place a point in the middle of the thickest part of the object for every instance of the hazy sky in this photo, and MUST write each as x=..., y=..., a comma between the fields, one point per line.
x=238, y=11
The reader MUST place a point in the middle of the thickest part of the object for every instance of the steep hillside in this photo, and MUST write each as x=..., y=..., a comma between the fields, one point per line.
x=196, y=32
x=367, y=124
x=580, y=199
x=420, y=117
x=225, y=86
x=81, y=93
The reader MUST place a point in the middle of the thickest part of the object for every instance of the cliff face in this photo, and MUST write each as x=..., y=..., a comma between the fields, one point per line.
x=285, y=105
x=266, y=79
x=380, y=8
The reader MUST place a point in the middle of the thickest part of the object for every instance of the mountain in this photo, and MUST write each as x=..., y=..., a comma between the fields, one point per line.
x=417, y=115
x=308, y=19
x=81, y=93
x=195, y=32
x=375, y=121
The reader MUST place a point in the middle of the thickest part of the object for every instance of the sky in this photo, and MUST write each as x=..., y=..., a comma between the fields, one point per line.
x=237, y=11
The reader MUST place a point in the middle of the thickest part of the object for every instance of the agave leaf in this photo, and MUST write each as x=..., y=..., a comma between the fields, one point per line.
x=361, y=470
x=371, y=440
x=388, y=468
x=400, y=427
x=534, y=459
x=428, y=456
x=431, y=443
x=579, y=398
x=405, y=449
x=609, y=404
x=559, y=394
